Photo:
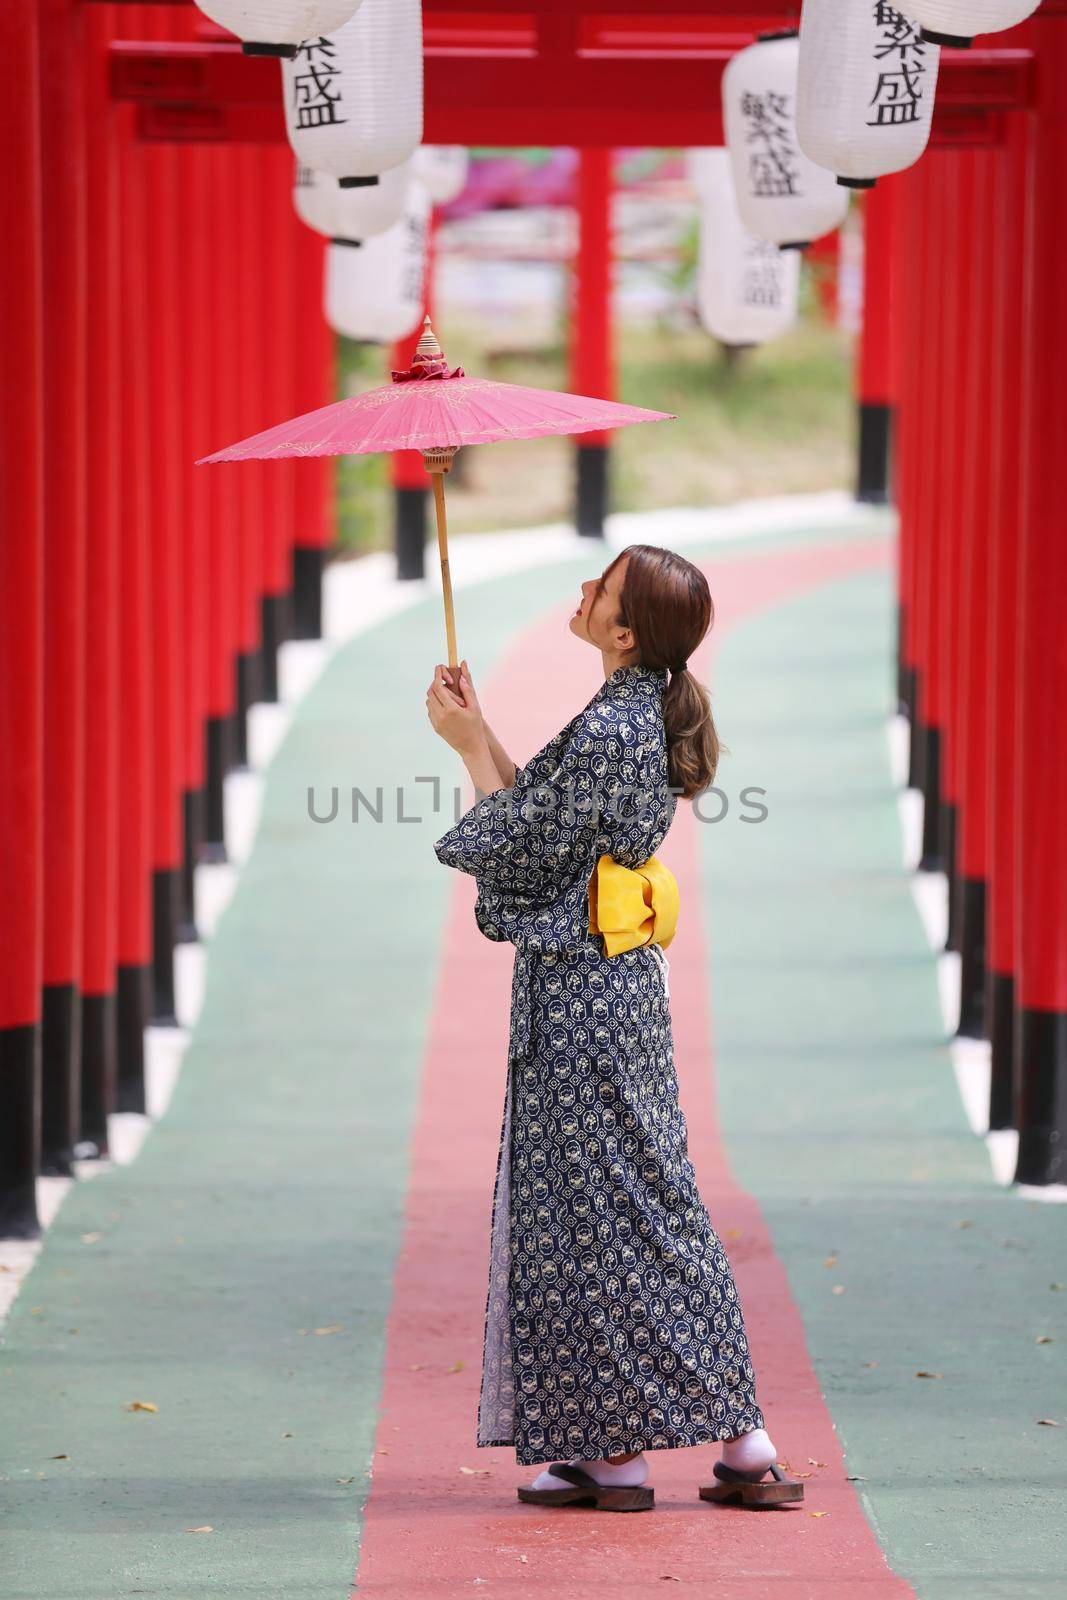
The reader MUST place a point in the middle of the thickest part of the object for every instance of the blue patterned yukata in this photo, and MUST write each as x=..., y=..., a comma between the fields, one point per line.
x=612, y=1320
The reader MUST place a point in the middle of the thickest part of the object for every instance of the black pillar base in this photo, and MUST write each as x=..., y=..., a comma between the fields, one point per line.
x=193, y=835
x=972, y=900
x=20, y=1130
x=249, y=670
x=1000, y=1026
x=916, y=743
x=593, y=461
x=872, y=477
x=949, y=825
x=1042, y=1097
x=411, y=512
x=100, y=1070
x=166, y=907
x=274, y=611
x=905, y=675
x=133, y=992
x=933, y=859
x=60, y=1077
x=219, y=735
x=309, y=564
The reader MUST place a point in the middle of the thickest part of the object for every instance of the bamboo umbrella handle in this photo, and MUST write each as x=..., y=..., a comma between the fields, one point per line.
x=438, y=479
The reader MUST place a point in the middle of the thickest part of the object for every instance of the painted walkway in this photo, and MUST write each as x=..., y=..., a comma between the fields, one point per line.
x=293, y=1270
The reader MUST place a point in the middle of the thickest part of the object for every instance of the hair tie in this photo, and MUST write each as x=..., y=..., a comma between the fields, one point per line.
x=683, y=666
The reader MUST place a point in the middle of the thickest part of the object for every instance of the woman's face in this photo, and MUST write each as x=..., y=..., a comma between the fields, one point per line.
x=595, y=617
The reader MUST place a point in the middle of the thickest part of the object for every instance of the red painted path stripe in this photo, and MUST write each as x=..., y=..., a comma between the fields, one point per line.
x=433, y=1530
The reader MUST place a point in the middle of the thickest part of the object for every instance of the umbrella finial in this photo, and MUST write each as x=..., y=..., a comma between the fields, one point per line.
x=428, y=348
x=428, y=344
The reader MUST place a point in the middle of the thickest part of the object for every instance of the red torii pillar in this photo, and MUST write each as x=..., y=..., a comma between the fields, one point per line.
x=195, y=377
x=958, y=289
x=875, y=403
x=253, y=485
x=928, y=501
x=222, y=292
x=100, y=682
x=592, y=367
x=163, y=289
x=1041, y=798
x=136, y=486
x=63, y=248
x=1011, y=231
x=409, y=478
x=21, y=633
x=316, y=355
x=909, y=347
x=975, y=502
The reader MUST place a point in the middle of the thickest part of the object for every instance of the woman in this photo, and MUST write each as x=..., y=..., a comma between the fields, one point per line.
x=612, y=1321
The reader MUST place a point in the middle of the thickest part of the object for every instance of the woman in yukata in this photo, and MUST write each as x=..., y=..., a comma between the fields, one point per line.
x=613, y=1325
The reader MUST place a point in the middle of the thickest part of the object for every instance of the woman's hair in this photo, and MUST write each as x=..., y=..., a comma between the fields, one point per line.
x=666, y=603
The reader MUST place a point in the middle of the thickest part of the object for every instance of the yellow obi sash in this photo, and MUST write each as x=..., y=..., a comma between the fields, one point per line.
x=632, y=906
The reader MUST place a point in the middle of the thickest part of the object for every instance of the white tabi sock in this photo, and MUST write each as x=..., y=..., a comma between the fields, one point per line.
x=752, y=1452
x=623, y=1475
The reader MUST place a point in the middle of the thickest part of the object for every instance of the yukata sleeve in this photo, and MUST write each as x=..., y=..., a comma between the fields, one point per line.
x=536, y=844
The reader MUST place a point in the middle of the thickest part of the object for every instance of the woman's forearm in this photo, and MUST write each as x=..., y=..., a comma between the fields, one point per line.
x=501, y=760
x=481, y=765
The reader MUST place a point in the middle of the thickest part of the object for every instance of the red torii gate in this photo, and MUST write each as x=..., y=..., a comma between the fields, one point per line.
x=176, y=340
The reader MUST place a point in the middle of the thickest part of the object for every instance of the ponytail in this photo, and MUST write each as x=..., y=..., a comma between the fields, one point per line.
x=666, y=603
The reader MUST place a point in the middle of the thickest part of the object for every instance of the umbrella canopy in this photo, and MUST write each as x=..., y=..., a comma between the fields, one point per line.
x=436, y=411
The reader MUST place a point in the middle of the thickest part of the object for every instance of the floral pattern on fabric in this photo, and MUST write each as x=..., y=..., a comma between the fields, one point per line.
x=612, y=1317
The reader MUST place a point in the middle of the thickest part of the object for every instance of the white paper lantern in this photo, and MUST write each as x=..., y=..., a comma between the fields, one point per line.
x=782, y=195
x=376, y=294
x=351, y=215
x=443, y=169
x=956, y=22
x=353, y=98
x=865, y=89
x=278, y=27
x=747, y=288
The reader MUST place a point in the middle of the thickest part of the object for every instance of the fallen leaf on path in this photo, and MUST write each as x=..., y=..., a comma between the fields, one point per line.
x=813, y=1463
x=818, y=1513
x=346, y=1480
x=1048, y=1422
x=855, y=1478
x=207, y=1528
x=457, y=1366
x=475, y=1472
x=1043, y=1338
x=90, y=1238
x=831, y=1261
x=59, y=1458
x=929, y=1374
x=141, y=1405
x=335, y=1327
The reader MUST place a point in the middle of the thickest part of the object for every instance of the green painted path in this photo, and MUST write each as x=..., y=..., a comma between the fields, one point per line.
x=268, y=1204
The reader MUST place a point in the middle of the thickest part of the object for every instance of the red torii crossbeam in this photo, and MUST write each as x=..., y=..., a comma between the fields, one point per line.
x=550, y=73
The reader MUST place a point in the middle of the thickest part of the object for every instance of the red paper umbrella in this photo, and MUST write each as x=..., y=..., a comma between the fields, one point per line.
x=434, y=409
